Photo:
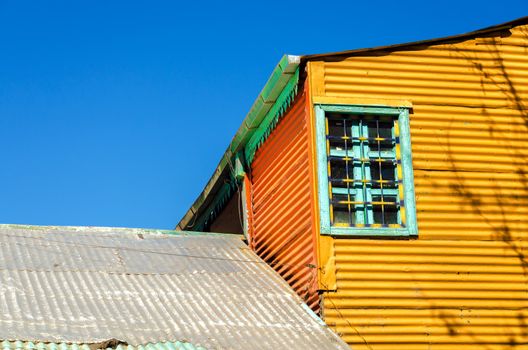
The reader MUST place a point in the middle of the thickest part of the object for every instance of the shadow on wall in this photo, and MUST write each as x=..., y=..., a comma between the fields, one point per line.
x=453, y=325
x=495, y=76
x=505, y=84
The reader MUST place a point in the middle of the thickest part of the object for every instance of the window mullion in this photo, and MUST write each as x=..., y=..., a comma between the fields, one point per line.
x=365, y=149
x=358, y=175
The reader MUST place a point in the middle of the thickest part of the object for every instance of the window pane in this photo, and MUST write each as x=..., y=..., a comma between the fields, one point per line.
x=339, y=145
x=344, y=213
x=380, y=135
x=385, y=129
x=341, y=215
x=337, y=129
x=338, y=169
x=383, y=171
x=386, y=213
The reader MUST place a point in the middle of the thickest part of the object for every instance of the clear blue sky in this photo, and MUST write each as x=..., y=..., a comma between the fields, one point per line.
x=115, y=113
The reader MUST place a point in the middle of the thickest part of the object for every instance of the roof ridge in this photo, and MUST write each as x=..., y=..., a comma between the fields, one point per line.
x=130, y=230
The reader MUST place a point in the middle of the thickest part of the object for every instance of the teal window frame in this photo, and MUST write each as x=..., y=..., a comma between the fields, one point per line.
x=402, y=114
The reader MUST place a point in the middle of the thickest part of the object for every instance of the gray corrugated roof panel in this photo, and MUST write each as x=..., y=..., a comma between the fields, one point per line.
x=19, y=345
x=90, y=285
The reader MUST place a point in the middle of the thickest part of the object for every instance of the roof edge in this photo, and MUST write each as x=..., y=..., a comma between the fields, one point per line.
x=128, y=230
x=458, y=37
x=267, y=97
x=38, y=345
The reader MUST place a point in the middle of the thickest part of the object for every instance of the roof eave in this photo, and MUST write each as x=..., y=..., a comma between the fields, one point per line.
x=278, y=79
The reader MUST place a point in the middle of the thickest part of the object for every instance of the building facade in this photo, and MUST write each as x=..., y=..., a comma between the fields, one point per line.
x=389, y=187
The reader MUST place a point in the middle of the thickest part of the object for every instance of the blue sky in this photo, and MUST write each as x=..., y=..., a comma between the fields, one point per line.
x=115, y=113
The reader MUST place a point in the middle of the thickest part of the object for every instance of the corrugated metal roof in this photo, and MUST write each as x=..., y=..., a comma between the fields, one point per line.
x=89, y=285
x=19, y=345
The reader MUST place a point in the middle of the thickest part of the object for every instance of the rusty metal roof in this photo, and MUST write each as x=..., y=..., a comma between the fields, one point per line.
x=85, y=285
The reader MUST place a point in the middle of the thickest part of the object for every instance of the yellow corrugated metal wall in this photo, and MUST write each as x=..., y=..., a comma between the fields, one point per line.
x=283, y=225
x=464, y=283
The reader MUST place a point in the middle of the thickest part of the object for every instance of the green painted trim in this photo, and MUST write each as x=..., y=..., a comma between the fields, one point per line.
x=322, y=169
x=271, y=91
x=368, y=231
x=270, y=121
x=239, y=171
x=407, y=170
x=193, y=211
x=362, y=109
x=245, y=217
x=411, y=228
x=279, y=79
x=215, y=208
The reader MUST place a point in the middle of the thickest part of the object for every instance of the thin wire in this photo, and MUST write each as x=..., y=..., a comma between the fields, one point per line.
x=73, y=244
x=346, y=319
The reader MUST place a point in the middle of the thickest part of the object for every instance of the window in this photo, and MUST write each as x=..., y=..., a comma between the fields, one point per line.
x=365, y=171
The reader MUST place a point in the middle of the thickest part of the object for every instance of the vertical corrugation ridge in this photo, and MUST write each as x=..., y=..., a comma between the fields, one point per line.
x=282, y=209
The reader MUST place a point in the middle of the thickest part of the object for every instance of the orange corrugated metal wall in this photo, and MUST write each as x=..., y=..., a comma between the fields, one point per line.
x=282, y=231
x=464, y=283
x=429, y=294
